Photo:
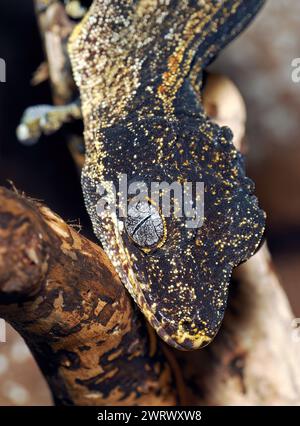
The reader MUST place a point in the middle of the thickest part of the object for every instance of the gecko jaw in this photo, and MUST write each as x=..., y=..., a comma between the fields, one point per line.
x=179, y=338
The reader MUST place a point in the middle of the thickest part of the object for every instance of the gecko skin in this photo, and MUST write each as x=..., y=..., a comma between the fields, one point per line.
x=138, y=66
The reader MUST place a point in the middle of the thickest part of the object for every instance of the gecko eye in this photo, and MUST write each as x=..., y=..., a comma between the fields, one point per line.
x=145, y=226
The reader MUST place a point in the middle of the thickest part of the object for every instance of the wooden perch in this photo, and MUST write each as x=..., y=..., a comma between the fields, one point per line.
x=62, y=295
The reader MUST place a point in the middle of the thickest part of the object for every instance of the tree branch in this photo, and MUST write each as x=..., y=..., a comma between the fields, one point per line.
x=60, y=292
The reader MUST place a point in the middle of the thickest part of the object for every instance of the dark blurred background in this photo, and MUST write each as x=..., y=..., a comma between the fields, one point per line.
x=259, y=62
x=44, y=171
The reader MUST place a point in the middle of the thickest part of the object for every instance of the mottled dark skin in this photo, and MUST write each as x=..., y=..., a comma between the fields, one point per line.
x=135, y=64
x=139, y=67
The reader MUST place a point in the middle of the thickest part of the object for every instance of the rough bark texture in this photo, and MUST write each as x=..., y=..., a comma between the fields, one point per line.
x=61, y=293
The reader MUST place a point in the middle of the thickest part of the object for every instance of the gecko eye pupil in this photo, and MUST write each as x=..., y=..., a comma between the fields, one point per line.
x=144, y=225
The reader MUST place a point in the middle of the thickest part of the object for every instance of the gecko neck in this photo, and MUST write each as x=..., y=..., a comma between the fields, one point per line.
x=134, y=55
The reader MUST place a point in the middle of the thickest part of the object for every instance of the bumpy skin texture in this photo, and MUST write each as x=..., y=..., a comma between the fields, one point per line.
x=138, y=65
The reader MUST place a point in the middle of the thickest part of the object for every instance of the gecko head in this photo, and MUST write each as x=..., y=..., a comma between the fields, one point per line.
x=177, y=261
x=177, y=267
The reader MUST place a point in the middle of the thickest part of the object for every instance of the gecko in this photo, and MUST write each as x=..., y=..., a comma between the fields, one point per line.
x=139, y=66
